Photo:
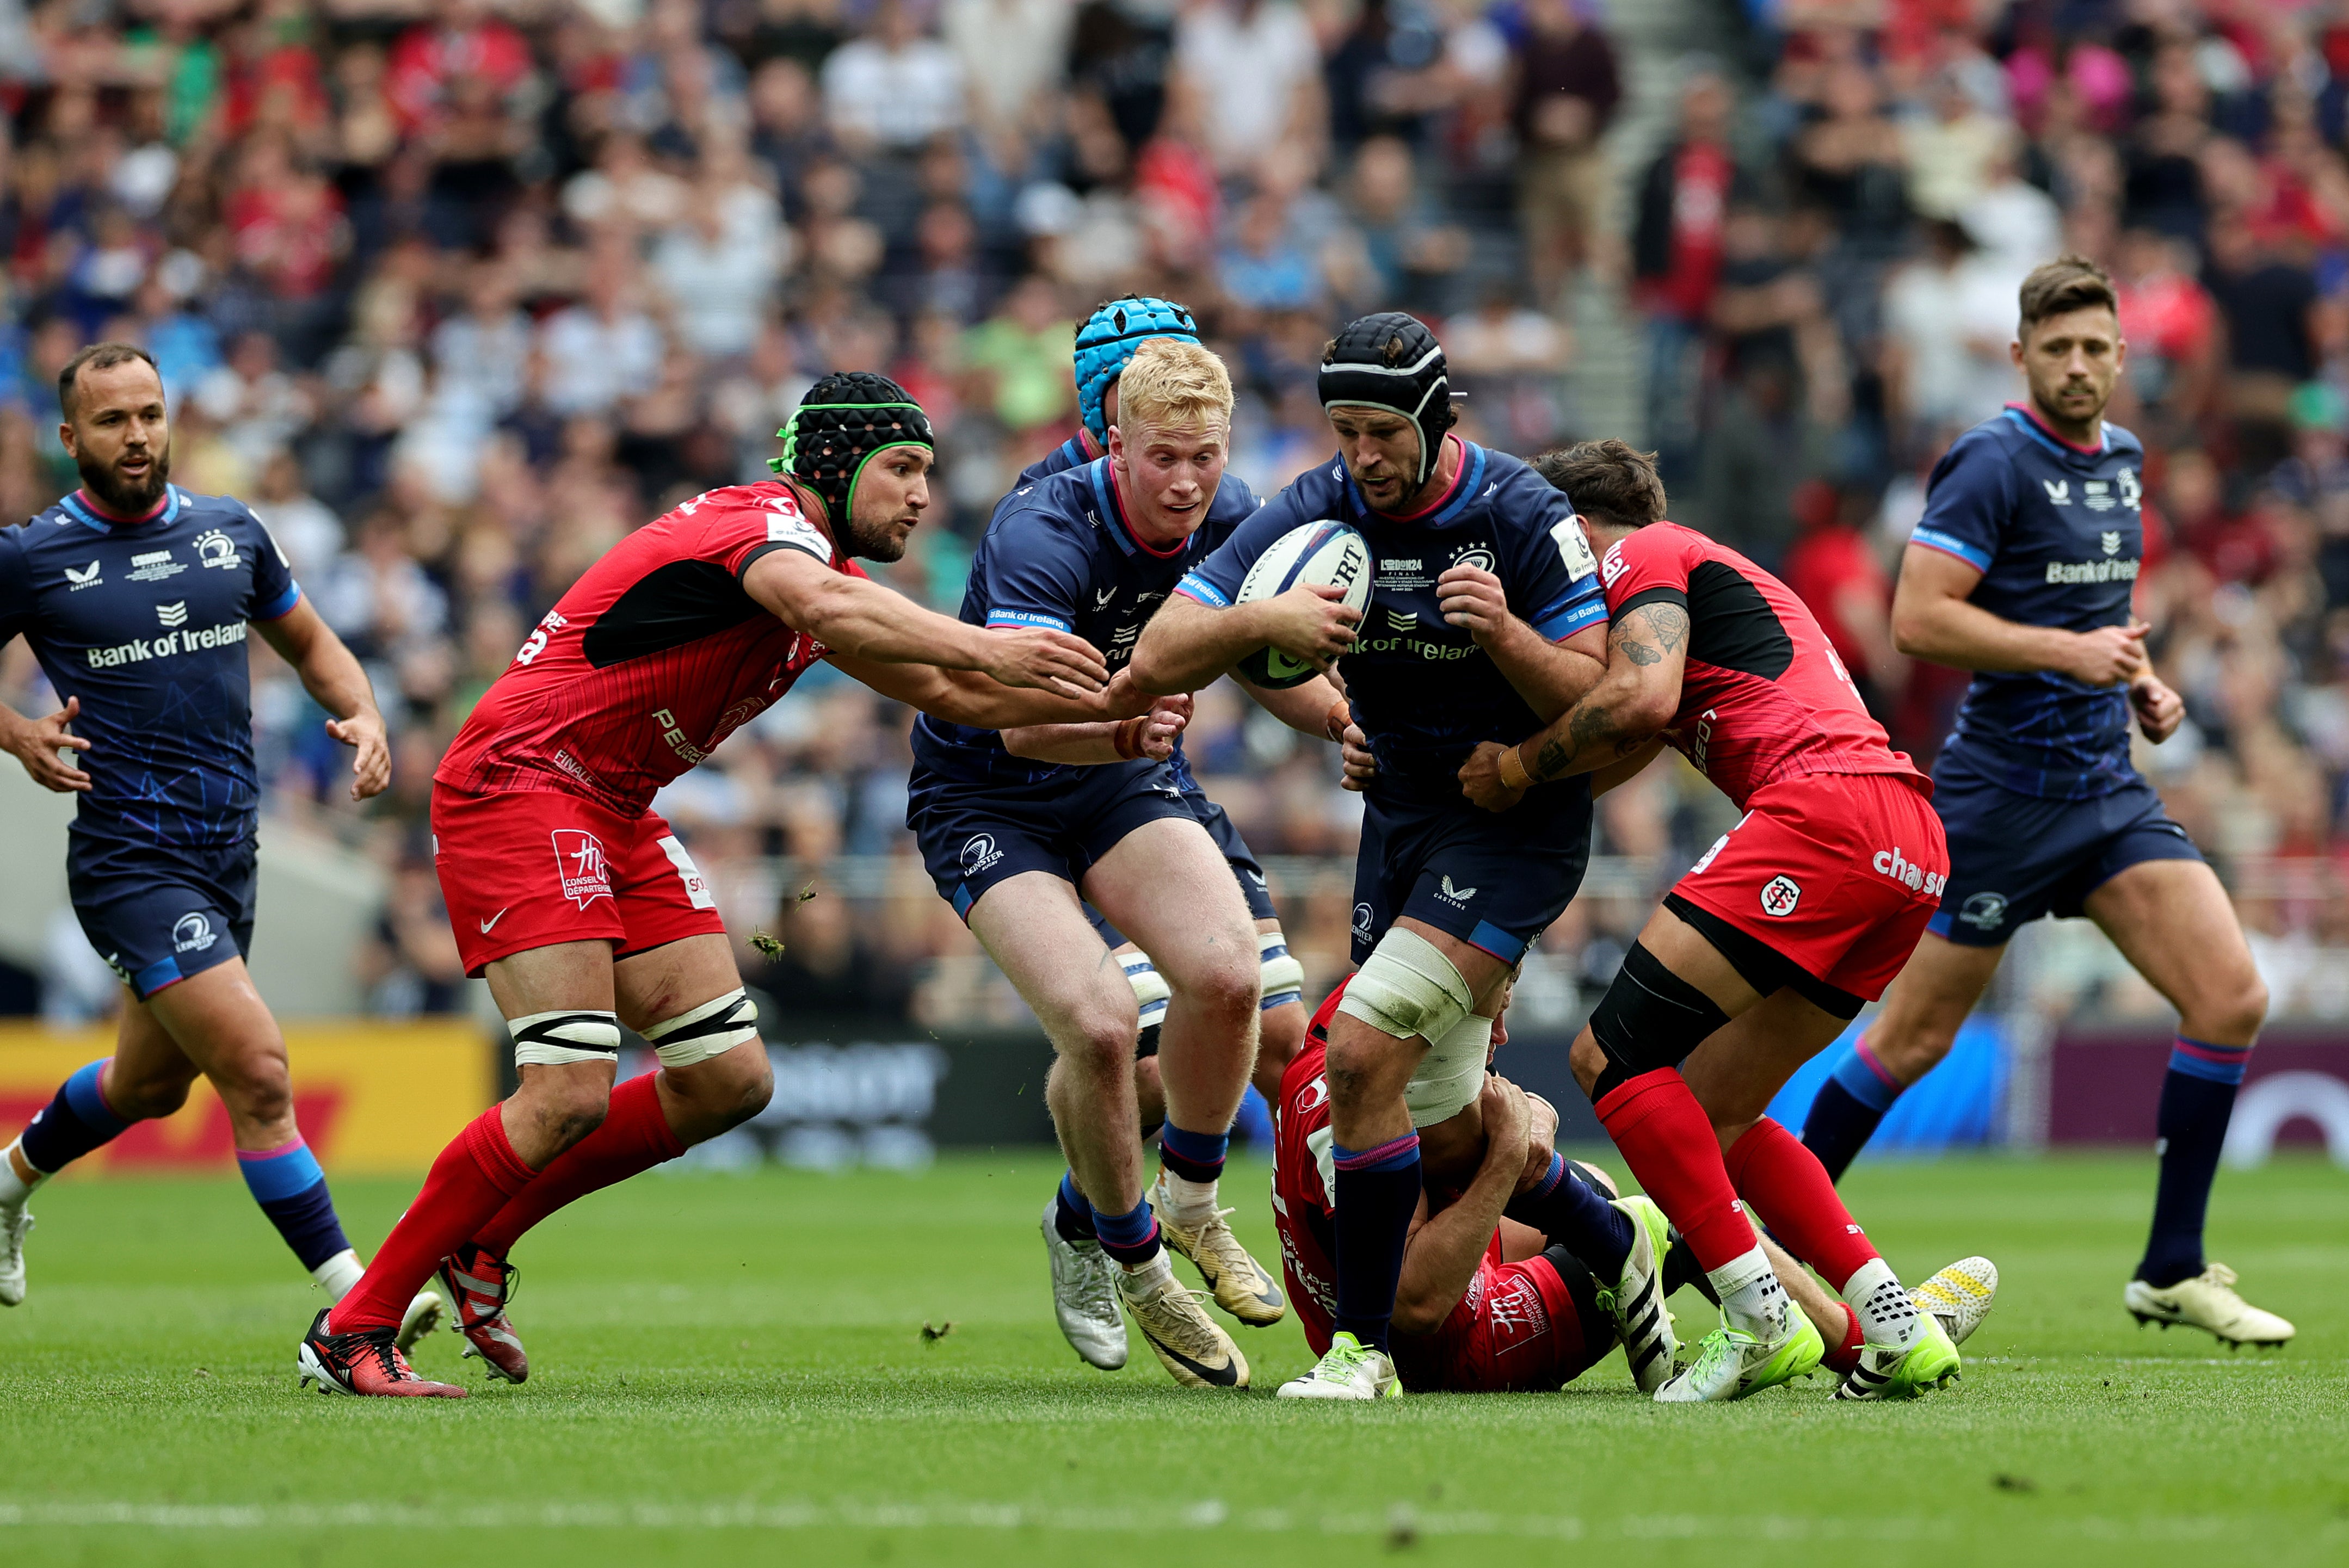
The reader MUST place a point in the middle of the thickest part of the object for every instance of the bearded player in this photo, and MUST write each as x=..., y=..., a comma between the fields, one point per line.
x=1769, y=945
x=1447, y=898
x=2021, y=570
x=573, y=898
x=137, y=598
x=1084, y=1278
x=1487, y=1305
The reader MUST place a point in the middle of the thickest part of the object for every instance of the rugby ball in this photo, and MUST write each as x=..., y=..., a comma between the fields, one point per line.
x=1326, y=553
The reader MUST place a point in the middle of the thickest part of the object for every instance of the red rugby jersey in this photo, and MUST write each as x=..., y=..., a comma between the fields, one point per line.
x=656, y=655
x=1763, y=697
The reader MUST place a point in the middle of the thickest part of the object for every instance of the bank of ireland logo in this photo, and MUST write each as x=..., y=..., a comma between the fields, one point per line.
x=1984, y=911
x=193, y=933
x=1780, y=895
x=978, y=853
x=579, y=862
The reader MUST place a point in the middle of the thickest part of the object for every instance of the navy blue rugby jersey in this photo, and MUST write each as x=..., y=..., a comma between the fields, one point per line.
x=146, y=623
x=1059, y=552
x=2058, y=536
x=1422, y=689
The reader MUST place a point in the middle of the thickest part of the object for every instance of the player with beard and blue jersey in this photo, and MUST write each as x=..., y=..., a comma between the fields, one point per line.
x=2021, y=570
x=1020, y=829
x=1485, y=616
x=137, y=598
x=1084, y=1299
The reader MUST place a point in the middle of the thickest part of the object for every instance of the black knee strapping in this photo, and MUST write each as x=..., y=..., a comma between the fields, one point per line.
x=1650, y=1018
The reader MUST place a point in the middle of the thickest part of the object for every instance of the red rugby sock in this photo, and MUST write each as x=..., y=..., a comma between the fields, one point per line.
x=1785, y=1185
x=636, y=1136
x=470, y=1182
x=1845, y=1355
x=1669, y=1142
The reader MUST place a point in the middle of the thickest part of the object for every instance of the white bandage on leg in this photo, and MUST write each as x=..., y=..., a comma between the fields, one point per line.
x=1452, y=1075
x=706, y=1031
x=1408, y=987
x=1150, y=991
x=1283, y=977
x=560, y=1039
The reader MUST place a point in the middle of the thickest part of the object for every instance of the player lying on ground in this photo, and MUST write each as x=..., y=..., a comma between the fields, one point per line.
x=1487, y=1304
x=1769, y=945
x=2021, y=570
x=136, y=597
x=1084, y=1278
x=1447, y=898
x=1021, y=830
x=572, y=895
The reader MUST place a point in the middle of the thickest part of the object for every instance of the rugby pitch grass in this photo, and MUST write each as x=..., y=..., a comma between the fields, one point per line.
x=734, y=1367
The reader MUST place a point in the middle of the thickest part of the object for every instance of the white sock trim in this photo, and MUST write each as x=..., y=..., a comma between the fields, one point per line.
x=1887, y=1317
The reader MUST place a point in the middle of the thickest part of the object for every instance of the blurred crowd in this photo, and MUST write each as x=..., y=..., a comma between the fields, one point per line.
x=456, y=293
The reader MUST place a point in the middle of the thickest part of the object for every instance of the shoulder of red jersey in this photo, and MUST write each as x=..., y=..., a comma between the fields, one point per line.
x=742, y=522
x=1659, y=555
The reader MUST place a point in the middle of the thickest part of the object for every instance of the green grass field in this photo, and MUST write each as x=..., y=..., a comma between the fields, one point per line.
x=733, y=1366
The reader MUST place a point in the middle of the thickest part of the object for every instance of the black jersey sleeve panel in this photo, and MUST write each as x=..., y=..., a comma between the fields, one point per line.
x=668, y=608
x=1732, y=626
x=1662, y=593
x=768, y=547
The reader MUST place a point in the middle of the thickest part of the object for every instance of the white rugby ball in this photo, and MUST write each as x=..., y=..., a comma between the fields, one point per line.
x=1325, y=553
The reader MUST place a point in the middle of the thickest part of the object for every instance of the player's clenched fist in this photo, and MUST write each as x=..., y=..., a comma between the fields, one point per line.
x=2158, y=708
x=2107, y=656
x=1153, y=734
x=1473, y=600
x=1311, y=622
x=1046, y=660
x=372, y=769
x=1480, y=778
x=36, y=743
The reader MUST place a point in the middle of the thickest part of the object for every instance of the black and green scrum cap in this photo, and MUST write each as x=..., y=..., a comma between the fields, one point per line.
x=1391, y=361
x=844, y=420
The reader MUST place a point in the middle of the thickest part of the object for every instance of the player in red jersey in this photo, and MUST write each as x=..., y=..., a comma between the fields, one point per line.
x=577, y=903
x=1769, y=945
x=1487, y=1304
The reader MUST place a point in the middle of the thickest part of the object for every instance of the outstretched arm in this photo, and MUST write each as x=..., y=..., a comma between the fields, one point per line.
x=965, y=696
x=860, y=618
x=331, y=673
x=1631, y=704
x=1316, y=707
x=1150, y=735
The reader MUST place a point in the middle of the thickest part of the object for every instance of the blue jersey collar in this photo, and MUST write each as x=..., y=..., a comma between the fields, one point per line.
x=1112, y=515
x=89, y=517
x=1465, y=488
x=2030, y=426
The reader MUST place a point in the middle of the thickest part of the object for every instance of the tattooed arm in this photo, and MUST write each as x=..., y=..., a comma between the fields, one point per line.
x=1647, y=651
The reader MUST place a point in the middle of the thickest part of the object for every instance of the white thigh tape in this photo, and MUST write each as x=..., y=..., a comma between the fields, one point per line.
x=1408, y=988
x=560, y=1039
x=1452, y=1075
x=1150, y=991
x=706, y=1031
x=1283, y=977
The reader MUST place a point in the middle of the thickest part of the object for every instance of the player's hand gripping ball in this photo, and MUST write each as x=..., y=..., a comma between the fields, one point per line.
x=1319, y=626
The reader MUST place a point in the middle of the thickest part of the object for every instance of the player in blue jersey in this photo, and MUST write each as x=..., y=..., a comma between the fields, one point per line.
x=1084, y=1296
x=2020, y=570
x=1485, y=617
x=137, y=598
x=1016, y=826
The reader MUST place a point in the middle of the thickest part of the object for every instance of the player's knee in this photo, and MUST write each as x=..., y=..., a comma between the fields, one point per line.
x=569, y=1106
x=254, y=1091
x=146, y=1098
x=1650, y=1019
x=708, y=1032
x=2234, y=1015
x=1098, y=1040
x=1226, y=983
x=1364, y=1067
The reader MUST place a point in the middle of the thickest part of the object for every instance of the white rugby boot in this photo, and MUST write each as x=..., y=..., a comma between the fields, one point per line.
x=1084, y=1296
x=1350, y=1369
x=1960, y=1294
x=2209, y=1301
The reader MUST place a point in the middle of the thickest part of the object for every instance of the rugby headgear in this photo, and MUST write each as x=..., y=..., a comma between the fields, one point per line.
x=844, y=420
x=1107, y=341
x=1391, y=361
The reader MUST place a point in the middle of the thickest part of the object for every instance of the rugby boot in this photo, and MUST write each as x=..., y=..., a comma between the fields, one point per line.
x=1240, y=1285
x=1884, y=1373
x=478, y=1283
x=422, y=1316
x=1084, y=1295
x=365, y=1363
x=2207, y=1302
x=1636, y=1301
x=1959, y=1294
x=13, y=1227
x=1195, y=1352
x=1731, y=1363
x=1349, y=1370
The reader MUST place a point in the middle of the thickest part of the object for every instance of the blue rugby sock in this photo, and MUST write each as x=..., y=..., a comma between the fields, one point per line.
x=77, y=1121
x=1071, y=1215
x=1377, y=1190
x=1131, y=1238
x=291, y=1190
x=1849, y=1107
x=1577, y=1216
x=1192, y=1156
x=2198, y=1096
